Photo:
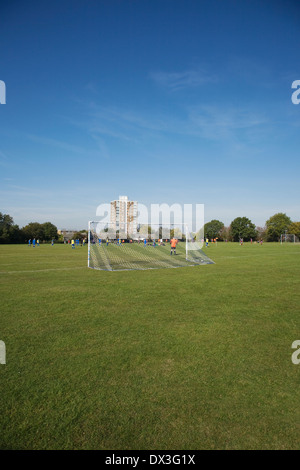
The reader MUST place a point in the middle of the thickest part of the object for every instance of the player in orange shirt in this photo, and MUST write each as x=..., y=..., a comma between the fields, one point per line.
x=173, y=245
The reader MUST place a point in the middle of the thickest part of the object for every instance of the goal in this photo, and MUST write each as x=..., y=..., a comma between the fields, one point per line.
x=148, y=248
x=288, y=238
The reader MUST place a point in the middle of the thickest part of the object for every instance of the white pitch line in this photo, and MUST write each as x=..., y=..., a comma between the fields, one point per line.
x=42, y=270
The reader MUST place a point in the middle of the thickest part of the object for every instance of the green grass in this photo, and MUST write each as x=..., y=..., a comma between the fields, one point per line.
x=189, y=358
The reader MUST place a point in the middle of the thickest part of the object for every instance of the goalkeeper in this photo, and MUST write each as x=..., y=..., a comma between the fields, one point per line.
x=173, y=242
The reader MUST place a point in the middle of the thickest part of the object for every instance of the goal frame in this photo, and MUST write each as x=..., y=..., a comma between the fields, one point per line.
x=192, y=253
x=283, y=238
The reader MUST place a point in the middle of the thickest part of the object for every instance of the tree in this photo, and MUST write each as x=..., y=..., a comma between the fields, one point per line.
x=9, y=232
x=33, y=230
x=213, y=229
x=50, y=231
x=242, y=227
x=225, y=234
x=261, y=233
x=5, y=221
x=276, y=225
x=294, y=228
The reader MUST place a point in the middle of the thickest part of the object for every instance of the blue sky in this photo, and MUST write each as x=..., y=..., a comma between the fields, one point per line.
x=166, y=101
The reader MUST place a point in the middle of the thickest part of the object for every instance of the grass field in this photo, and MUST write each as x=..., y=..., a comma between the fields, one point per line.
x=189, y=358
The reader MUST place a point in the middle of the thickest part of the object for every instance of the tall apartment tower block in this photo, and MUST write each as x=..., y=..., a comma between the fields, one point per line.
x=123, y=215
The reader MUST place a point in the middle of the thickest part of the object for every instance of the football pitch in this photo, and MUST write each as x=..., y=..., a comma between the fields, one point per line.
x=189, y=358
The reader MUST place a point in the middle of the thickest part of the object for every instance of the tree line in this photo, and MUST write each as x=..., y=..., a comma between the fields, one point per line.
x=242, y=227
x=12, y=233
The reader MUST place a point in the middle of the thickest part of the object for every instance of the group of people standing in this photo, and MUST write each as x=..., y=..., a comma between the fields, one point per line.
x=35, y=242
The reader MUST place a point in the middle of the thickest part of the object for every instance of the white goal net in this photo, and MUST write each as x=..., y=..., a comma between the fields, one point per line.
x=150, y=247
x=288, y=238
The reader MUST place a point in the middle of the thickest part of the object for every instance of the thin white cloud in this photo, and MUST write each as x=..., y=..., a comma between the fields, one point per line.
x=99, y=150
x=122, y=124
x=2, y=155
x=240, y=129
x=91, y=87
x=216, y=123
x=5, y=161
x=176, y=81
x=206, y=121
x=56, y=143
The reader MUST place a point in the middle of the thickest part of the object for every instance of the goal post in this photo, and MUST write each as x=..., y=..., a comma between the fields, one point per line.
x=89, y=244
x=111, y=248
x=288, y=238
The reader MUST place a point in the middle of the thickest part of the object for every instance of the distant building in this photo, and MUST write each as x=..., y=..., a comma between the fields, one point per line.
x=67, y=234
x=123, y=215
